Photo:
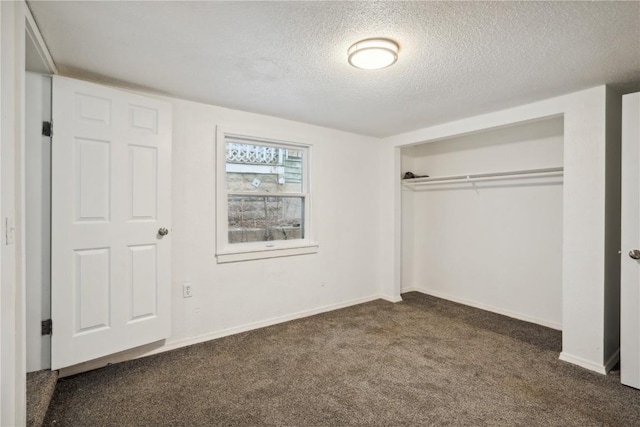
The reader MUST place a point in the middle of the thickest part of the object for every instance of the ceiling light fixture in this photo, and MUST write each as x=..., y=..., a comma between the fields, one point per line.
x=373, y=54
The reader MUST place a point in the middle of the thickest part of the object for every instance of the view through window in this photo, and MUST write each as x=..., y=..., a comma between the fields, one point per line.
x=266, y=191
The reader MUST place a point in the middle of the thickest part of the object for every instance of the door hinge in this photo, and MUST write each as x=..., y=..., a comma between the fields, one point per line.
x=47, y=129
x=47, y=327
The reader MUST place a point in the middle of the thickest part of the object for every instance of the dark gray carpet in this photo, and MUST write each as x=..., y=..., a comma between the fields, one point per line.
x=40, y=387
x=424, y=361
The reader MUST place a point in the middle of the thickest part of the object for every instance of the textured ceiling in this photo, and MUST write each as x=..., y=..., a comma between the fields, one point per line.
x=288, y=59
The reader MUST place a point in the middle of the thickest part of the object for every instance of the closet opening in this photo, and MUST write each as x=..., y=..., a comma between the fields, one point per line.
x=485, y=227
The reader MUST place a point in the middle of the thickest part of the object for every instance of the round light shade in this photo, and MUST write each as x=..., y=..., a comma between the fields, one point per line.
x=373, y=54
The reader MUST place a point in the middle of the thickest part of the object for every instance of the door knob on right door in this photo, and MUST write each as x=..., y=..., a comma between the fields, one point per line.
x=163, y=232
x=635, y=254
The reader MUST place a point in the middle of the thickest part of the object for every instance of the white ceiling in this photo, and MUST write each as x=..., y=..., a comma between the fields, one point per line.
x=288, y=59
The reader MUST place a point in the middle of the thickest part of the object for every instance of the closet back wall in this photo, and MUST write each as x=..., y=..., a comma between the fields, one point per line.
x=495, y=245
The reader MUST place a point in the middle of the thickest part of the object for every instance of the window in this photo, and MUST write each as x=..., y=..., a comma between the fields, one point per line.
x=263, y=199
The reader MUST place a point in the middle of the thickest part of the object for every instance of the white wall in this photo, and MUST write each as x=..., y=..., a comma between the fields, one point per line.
x=583, y=307
x=344, y=204
x=234, y=297
x=389, y=256
x=584, y=193
x=495, y=245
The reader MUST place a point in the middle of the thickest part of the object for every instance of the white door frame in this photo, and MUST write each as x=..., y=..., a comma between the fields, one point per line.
x=16, y=24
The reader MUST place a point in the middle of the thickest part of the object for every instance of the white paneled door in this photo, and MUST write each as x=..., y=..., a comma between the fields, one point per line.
x=630, y=242
x=111, y=206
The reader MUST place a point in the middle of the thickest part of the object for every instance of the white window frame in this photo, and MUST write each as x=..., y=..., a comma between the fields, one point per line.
x=233, y=252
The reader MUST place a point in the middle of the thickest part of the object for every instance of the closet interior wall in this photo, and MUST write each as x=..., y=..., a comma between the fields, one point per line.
x=496, y=245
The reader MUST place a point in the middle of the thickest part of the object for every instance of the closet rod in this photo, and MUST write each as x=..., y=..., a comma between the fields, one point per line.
x=532, y=173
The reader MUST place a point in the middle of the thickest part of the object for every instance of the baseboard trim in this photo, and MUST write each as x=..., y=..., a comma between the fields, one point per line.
x=260, y=324
x=411, y=289
x=391, y=299
x=162, y=346
x=487, y=307
x=584, y=363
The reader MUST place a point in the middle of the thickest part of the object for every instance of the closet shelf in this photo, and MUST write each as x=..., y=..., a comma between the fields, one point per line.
x=492, y=176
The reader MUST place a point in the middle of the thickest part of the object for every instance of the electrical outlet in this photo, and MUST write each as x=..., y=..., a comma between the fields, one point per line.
x=187, y=290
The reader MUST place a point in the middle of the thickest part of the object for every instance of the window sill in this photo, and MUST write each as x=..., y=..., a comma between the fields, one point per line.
x=236, y=256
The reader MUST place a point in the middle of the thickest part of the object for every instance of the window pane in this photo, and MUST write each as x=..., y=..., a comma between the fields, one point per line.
x=261, y=219
x=261, y=168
